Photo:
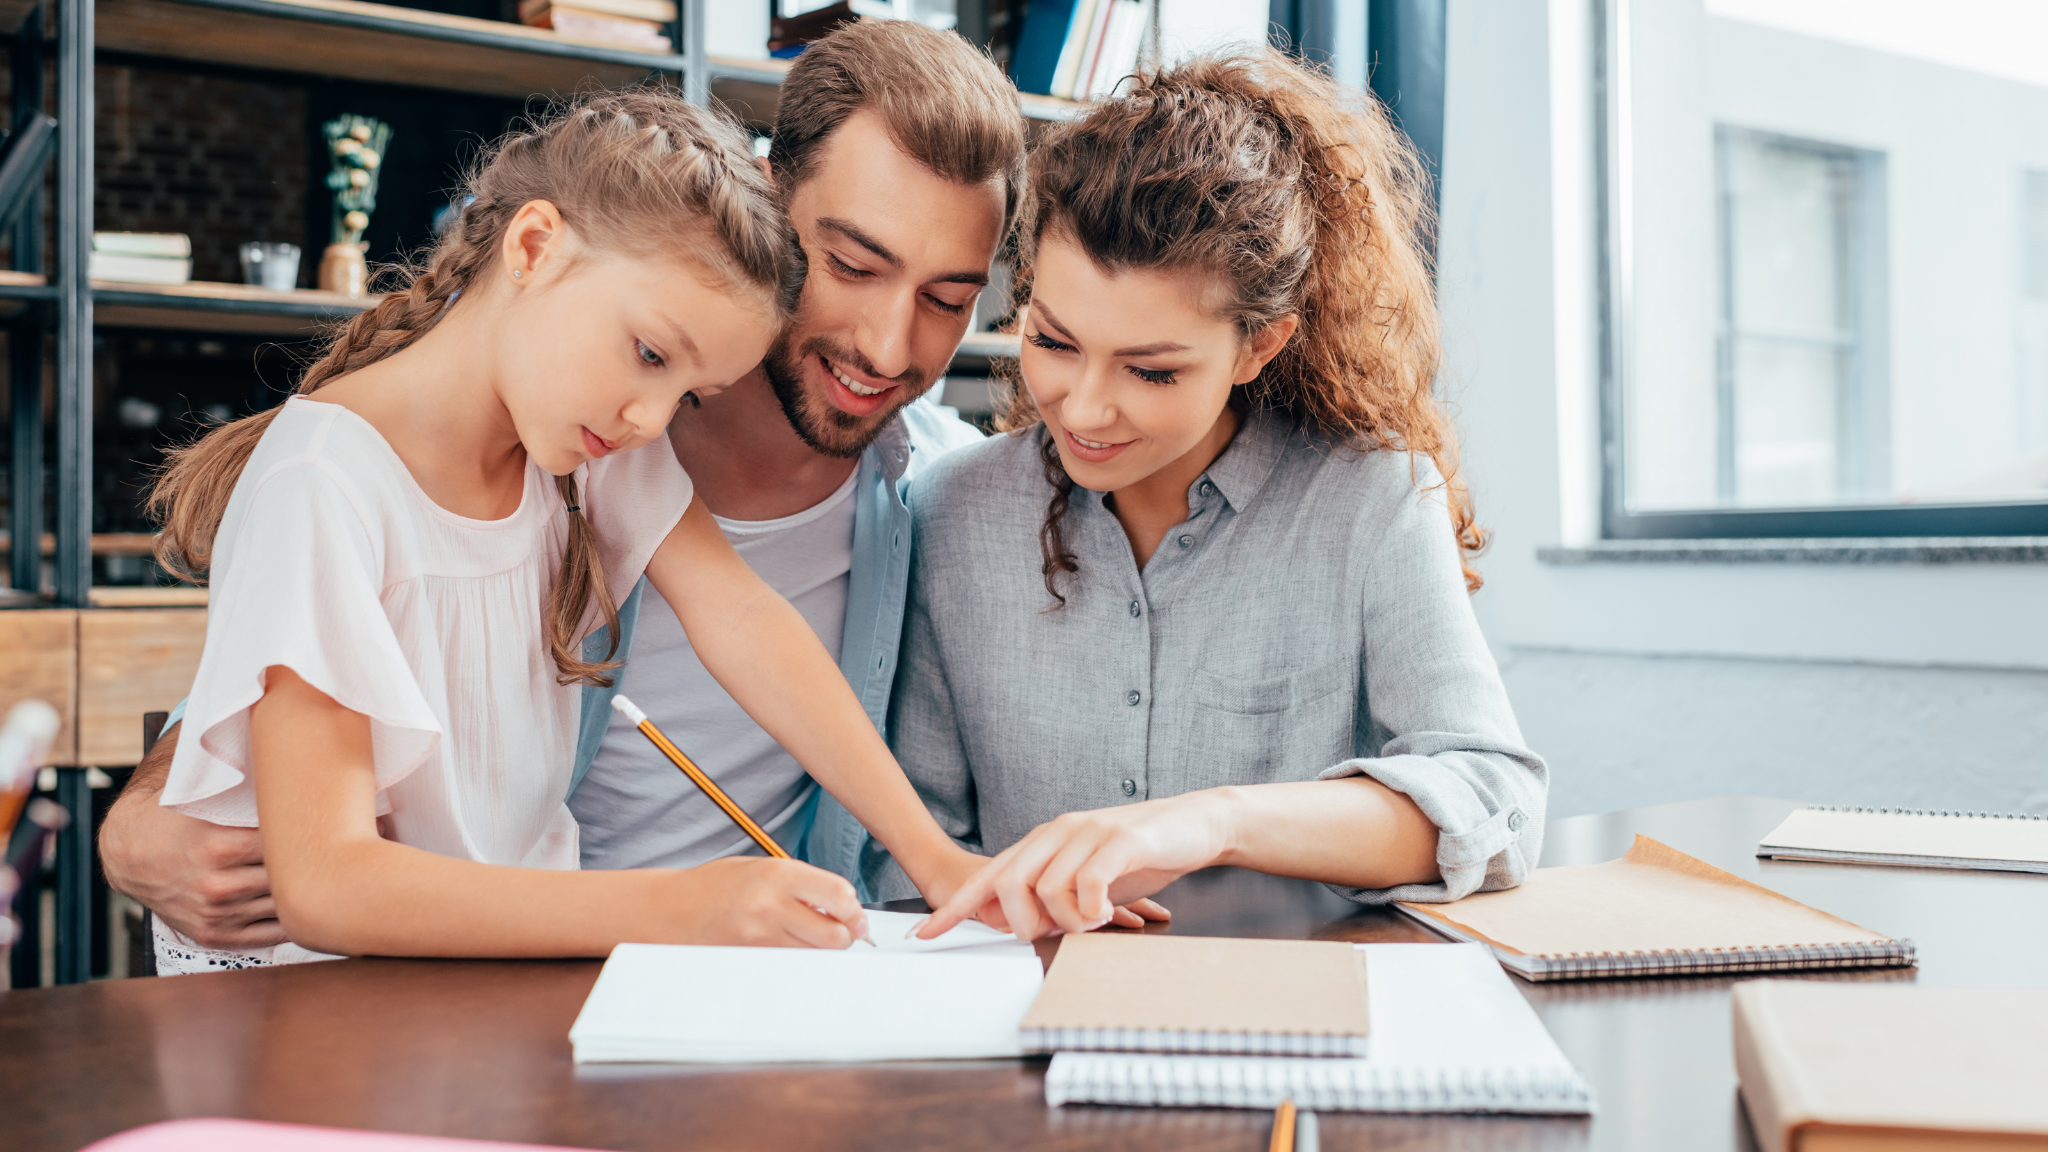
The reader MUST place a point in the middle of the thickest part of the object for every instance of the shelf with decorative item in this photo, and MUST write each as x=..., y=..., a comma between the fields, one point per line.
x=374, y=42
x=200, y=306
x=752, y=87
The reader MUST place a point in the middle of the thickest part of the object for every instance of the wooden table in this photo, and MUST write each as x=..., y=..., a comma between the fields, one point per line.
x=480, y=1048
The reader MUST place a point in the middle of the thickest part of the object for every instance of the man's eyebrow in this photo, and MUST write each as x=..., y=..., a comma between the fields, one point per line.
x=851, y=231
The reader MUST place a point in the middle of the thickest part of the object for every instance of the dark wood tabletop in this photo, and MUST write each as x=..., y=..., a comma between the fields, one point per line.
x=481, y=1049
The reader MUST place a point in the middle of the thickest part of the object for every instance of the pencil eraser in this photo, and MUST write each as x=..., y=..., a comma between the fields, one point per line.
x=628, y=710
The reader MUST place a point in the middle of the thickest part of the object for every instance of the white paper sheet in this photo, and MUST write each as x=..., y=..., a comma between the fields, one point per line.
x=695, y=1004
x=891, y=933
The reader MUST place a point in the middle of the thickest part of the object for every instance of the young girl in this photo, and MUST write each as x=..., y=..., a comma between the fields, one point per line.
x=406, y=555
x=1220, y=558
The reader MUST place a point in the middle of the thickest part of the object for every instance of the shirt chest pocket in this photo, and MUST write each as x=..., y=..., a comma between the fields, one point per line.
x=1255, y=731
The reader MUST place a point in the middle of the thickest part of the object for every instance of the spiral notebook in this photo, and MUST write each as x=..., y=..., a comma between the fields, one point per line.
x=1449, y=1034
x=1912, y=839
x=1150, y=993
x=1654, y=912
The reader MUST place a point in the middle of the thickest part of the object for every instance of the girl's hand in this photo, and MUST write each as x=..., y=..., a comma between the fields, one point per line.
x=1071, y=873
x=761, y=902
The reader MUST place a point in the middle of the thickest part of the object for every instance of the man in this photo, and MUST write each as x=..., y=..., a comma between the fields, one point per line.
x=899, y=152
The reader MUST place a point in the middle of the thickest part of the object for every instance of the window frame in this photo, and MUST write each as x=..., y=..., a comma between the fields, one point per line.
x=1613, y=270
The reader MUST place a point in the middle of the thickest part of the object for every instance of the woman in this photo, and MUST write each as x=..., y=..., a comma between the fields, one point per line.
x=1207, y=603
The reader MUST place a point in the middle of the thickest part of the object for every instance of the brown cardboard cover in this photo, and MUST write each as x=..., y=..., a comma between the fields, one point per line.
x=1891, y=1066
x=1655, y=898
x=1203, y=984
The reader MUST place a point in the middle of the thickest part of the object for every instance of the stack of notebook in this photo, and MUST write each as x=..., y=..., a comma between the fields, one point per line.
x=1654, y=912
x=637, y=23
x=1912, y=839
x=1189, y=1021
x=142, y=257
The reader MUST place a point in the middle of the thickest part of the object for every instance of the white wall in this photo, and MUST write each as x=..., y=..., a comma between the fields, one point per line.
x=1881, y=683
x=737, y=28
x=1187, y=26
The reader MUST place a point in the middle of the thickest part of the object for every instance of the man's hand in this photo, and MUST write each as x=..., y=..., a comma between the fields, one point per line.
x=205, y=880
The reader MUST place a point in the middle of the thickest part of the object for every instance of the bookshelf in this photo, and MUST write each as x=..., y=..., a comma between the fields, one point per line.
x=751, y=87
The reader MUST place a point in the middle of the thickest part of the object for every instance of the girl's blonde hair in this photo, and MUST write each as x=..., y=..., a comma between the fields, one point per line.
x=1300, y=198
x=639, y=173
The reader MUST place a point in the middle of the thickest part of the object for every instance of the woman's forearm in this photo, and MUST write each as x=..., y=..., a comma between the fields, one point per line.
x=1355, y=832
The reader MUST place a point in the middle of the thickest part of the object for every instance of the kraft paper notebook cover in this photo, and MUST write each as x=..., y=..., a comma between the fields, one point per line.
x=1449, y=1034
x=1912, y=839
x=1828, y=1067
x=1654, y=912
x=1134, y=992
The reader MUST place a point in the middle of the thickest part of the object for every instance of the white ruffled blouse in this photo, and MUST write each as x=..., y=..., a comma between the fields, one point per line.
x=332, y=561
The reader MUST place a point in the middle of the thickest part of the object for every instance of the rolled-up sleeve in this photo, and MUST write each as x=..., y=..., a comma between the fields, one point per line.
x=1445, y=734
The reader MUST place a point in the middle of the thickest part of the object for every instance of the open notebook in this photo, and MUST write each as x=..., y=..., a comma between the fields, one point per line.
x=1128, y=991
x=1449, y=1034
x=1654, y=912
x=1828, y=1067
x=1911, y=839
x=955, y=998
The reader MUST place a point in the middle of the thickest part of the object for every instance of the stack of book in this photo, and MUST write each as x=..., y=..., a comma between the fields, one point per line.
x=142, y=257
x=635, y=23
x=1080, y=49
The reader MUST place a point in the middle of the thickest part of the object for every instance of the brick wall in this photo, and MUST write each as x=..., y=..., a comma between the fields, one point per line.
x=221, y=160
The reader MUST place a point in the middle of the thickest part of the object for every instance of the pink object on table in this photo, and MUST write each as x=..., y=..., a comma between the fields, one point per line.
x=256, y=1136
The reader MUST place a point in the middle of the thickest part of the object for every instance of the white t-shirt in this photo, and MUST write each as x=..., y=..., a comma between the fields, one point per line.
x=636, y=809
x=333, y=561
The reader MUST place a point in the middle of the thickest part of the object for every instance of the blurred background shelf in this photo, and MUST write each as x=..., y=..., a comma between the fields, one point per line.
x=752, y=88
x=374, y=42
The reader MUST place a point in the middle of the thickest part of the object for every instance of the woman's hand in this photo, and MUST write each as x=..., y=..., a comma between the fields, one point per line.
x=1072, y=873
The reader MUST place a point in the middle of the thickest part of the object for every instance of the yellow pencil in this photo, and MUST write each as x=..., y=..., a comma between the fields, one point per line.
x=1283, y=1127
x=702, y=780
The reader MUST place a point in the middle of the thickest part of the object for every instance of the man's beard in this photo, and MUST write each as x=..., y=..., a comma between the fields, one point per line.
x=827, y=430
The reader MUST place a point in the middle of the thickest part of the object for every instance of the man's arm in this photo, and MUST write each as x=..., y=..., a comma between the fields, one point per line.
x=203, y=879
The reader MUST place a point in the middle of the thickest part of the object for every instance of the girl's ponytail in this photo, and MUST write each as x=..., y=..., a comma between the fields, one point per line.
x=641, y=172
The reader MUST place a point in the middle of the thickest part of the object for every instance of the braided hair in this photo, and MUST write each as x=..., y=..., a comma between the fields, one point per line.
x=640, y=172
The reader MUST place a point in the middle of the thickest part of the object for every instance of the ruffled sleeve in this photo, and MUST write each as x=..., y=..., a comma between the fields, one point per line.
x=633, y=501
x=296, y=583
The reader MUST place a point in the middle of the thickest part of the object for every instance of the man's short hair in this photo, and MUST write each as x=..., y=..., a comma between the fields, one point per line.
x=944, y=102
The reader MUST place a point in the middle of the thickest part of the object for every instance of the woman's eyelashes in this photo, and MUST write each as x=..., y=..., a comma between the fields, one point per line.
x=1153, y=375
x=1041, y=340
x=647, y=356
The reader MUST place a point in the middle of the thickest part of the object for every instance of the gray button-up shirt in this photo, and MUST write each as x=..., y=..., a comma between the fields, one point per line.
x=1307, y=621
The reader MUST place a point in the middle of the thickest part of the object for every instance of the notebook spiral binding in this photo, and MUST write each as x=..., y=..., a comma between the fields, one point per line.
x=1720, y=961
x=1924, y=812
x=1038, y=1040
x=1321, y=1085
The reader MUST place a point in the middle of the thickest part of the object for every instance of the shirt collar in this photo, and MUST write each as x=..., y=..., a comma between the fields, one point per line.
x=1249, y=460
x=891, y=450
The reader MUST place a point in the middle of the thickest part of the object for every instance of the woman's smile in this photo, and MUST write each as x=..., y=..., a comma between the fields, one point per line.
x=1096, y=451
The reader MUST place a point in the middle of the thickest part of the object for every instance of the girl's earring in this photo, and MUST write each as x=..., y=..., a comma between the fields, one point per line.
x=515, y=273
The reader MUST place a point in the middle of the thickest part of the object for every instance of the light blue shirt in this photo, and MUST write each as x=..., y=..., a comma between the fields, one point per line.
x=879, y=582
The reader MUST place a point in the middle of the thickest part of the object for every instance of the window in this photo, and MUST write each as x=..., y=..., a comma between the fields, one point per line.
x=1826, y=268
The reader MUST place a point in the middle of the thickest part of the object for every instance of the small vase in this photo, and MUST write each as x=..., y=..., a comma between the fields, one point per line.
x=342, y=269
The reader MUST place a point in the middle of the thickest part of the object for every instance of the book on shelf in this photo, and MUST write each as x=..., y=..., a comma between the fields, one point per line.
x=1654, y=912
x=1826, y=1067
x=162, y=245
x=1912, y=839
x=1080, y=49
x=651, y=11
x=588, y=24
x=139, y=269
x=788, y=36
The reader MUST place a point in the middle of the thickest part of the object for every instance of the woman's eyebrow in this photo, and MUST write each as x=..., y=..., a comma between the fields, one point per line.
x=1156, y=348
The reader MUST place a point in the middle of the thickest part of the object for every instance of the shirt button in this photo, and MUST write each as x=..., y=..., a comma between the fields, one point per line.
x=1515, y=820
x=1208, y=489
x=1130, y=787
x=1186, y=541
x=1135, y=610
x=1132, y=697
